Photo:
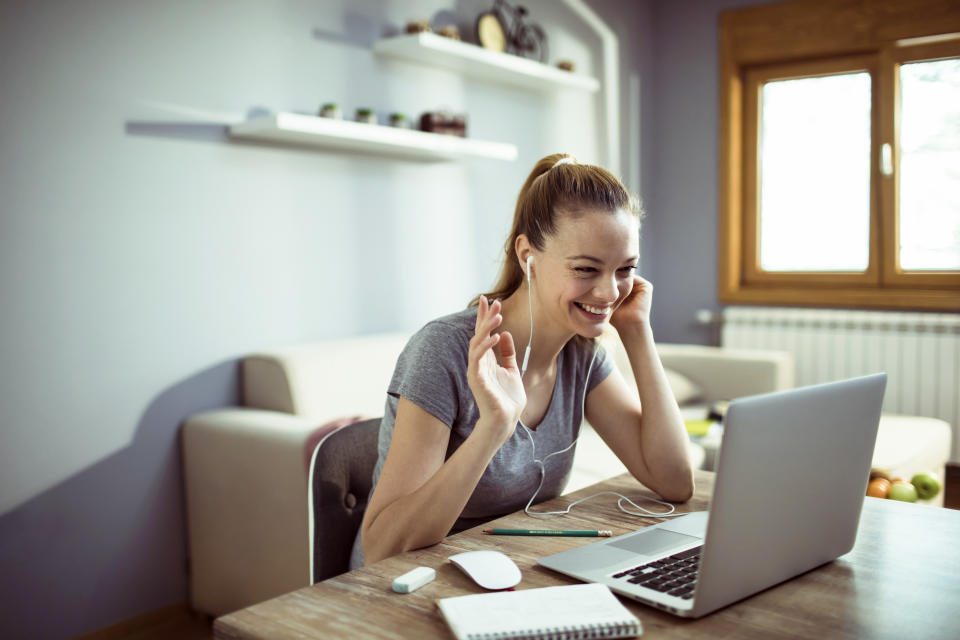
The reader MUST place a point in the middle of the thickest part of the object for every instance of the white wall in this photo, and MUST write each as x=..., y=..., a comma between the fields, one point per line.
x=142, y=252
x=132, y=240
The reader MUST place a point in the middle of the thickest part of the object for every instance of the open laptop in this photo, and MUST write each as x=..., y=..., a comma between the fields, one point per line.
x=791, y=480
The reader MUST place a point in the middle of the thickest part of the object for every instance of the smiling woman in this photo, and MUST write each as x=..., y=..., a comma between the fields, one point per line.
x=469, y=433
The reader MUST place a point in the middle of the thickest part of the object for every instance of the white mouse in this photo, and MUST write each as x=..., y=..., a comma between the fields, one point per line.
x=489, y=569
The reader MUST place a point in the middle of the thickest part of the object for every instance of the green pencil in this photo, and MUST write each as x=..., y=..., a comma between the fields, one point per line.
x=585, y=533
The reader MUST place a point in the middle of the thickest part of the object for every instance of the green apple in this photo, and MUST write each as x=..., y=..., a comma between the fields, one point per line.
x=926, y=484
x=902, y=491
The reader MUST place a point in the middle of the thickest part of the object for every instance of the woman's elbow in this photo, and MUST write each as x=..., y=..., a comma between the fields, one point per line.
x=378, y=547
x=681, y=495
x=680, y=489
x=373, y=553
x=375, y=547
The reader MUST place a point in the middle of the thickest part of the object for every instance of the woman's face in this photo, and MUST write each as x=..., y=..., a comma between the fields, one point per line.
x=586, y=270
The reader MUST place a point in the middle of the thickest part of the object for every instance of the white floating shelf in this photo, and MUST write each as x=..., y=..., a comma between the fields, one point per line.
x=297, y=129
x=468, y=59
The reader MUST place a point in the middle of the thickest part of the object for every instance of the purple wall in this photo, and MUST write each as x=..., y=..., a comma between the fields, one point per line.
x=111, y=538
x=682, y=150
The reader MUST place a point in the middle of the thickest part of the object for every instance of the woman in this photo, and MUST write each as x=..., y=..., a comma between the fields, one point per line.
x=451, y=451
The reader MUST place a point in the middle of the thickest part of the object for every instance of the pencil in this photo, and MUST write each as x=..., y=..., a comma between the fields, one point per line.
x=585, y=533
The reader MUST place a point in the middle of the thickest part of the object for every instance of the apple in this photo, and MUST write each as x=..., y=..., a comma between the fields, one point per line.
x=903, y=491
x=878, y=488
x=926, y=484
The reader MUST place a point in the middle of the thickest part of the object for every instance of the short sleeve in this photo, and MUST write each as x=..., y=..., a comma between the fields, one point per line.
x=432, y=369
x=602, y=365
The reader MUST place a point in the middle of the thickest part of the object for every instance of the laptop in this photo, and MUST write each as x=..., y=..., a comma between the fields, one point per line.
x=791, y=479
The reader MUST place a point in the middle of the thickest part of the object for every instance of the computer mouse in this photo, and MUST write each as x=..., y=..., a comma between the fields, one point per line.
x=489, y=569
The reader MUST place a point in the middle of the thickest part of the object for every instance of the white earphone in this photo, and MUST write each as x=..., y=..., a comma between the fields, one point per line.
x=526, y=353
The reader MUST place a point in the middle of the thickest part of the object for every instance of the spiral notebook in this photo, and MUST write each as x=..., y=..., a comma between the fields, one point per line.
x=571, y=611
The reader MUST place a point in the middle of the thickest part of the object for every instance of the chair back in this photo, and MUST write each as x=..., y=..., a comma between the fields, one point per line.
x=341, y=475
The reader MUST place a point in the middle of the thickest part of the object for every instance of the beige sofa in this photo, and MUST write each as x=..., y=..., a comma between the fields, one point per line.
x=246, y=467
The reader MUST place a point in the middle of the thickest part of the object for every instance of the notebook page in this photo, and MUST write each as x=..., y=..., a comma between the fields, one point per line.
x=571, y=606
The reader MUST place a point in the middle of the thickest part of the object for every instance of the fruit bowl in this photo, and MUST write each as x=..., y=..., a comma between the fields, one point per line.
x=923, y=486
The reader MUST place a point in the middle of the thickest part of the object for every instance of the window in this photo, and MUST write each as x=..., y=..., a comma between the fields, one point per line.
x=929, y=178
x=840, y=154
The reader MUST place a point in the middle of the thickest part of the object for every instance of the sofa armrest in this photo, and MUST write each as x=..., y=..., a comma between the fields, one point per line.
x=246, y=489
x=723, y=373
x=324, y=380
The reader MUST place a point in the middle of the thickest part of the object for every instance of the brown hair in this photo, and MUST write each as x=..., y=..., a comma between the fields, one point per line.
x=553, y=189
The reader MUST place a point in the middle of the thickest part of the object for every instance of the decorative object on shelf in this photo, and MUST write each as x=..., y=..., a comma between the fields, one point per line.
x=300, y=130
x=365, y=115
x=490, y=33
x=445, y=123
x=504, y=28
x=331, y=110
x=399, y=120
x=469, y=60
x=418, y=26
x=459, y=125
x=450, y=31
x=567, y=65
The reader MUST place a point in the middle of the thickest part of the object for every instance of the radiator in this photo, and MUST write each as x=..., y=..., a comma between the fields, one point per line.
x=919, y=351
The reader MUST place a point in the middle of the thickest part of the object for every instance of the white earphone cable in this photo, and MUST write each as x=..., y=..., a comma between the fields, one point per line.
x=541, y=464
x=526, y=353
x=583, y=407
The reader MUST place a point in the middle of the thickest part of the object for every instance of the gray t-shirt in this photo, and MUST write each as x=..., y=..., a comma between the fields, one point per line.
x=431, y=372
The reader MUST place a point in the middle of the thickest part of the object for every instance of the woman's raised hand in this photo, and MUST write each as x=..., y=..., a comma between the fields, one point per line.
x=497, y=386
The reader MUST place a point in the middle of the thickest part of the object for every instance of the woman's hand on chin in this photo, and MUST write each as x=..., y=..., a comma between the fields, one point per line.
x=634, y=311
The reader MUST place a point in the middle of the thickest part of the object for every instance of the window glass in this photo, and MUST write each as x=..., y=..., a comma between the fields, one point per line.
x=814, y=178
x=930, y=165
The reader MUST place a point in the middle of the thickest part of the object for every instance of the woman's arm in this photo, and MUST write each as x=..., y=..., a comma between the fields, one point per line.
x=648, y=437
x=419, y=497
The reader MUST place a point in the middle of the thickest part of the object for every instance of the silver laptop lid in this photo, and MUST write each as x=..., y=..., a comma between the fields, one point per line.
x=790, y=485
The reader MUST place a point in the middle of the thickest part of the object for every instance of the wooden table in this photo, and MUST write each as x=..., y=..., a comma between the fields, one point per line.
x=902, y=580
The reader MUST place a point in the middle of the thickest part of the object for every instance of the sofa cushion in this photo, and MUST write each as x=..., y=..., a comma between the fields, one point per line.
x=684, y=389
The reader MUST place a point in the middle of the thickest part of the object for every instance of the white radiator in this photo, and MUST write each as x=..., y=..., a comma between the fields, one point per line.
x=919, y=351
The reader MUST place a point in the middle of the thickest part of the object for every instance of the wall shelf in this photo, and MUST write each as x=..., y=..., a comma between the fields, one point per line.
x=304, y=130
x=437, y=51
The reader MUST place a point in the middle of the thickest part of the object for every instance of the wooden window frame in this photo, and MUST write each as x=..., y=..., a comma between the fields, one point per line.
x=755, y=78
x=893, y=57
x=812, y=37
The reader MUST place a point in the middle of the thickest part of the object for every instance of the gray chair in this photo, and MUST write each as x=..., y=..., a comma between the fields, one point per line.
x=341, y=476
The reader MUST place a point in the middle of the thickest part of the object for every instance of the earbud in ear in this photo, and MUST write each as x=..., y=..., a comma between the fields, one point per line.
x=526, y=353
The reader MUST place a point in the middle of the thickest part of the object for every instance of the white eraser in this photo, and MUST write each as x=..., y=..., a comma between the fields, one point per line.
x=414, y=579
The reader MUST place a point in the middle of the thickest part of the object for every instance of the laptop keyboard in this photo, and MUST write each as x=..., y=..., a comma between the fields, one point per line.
x=675, y=575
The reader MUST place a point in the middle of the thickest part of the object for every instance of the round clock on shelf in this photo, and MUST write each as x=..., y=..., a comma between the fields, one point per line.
x=490, y=32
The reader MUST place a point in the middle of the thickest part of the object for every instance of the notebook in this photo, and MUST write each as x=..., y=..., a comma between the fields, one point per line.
x=790, y=485
x=570, y=611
